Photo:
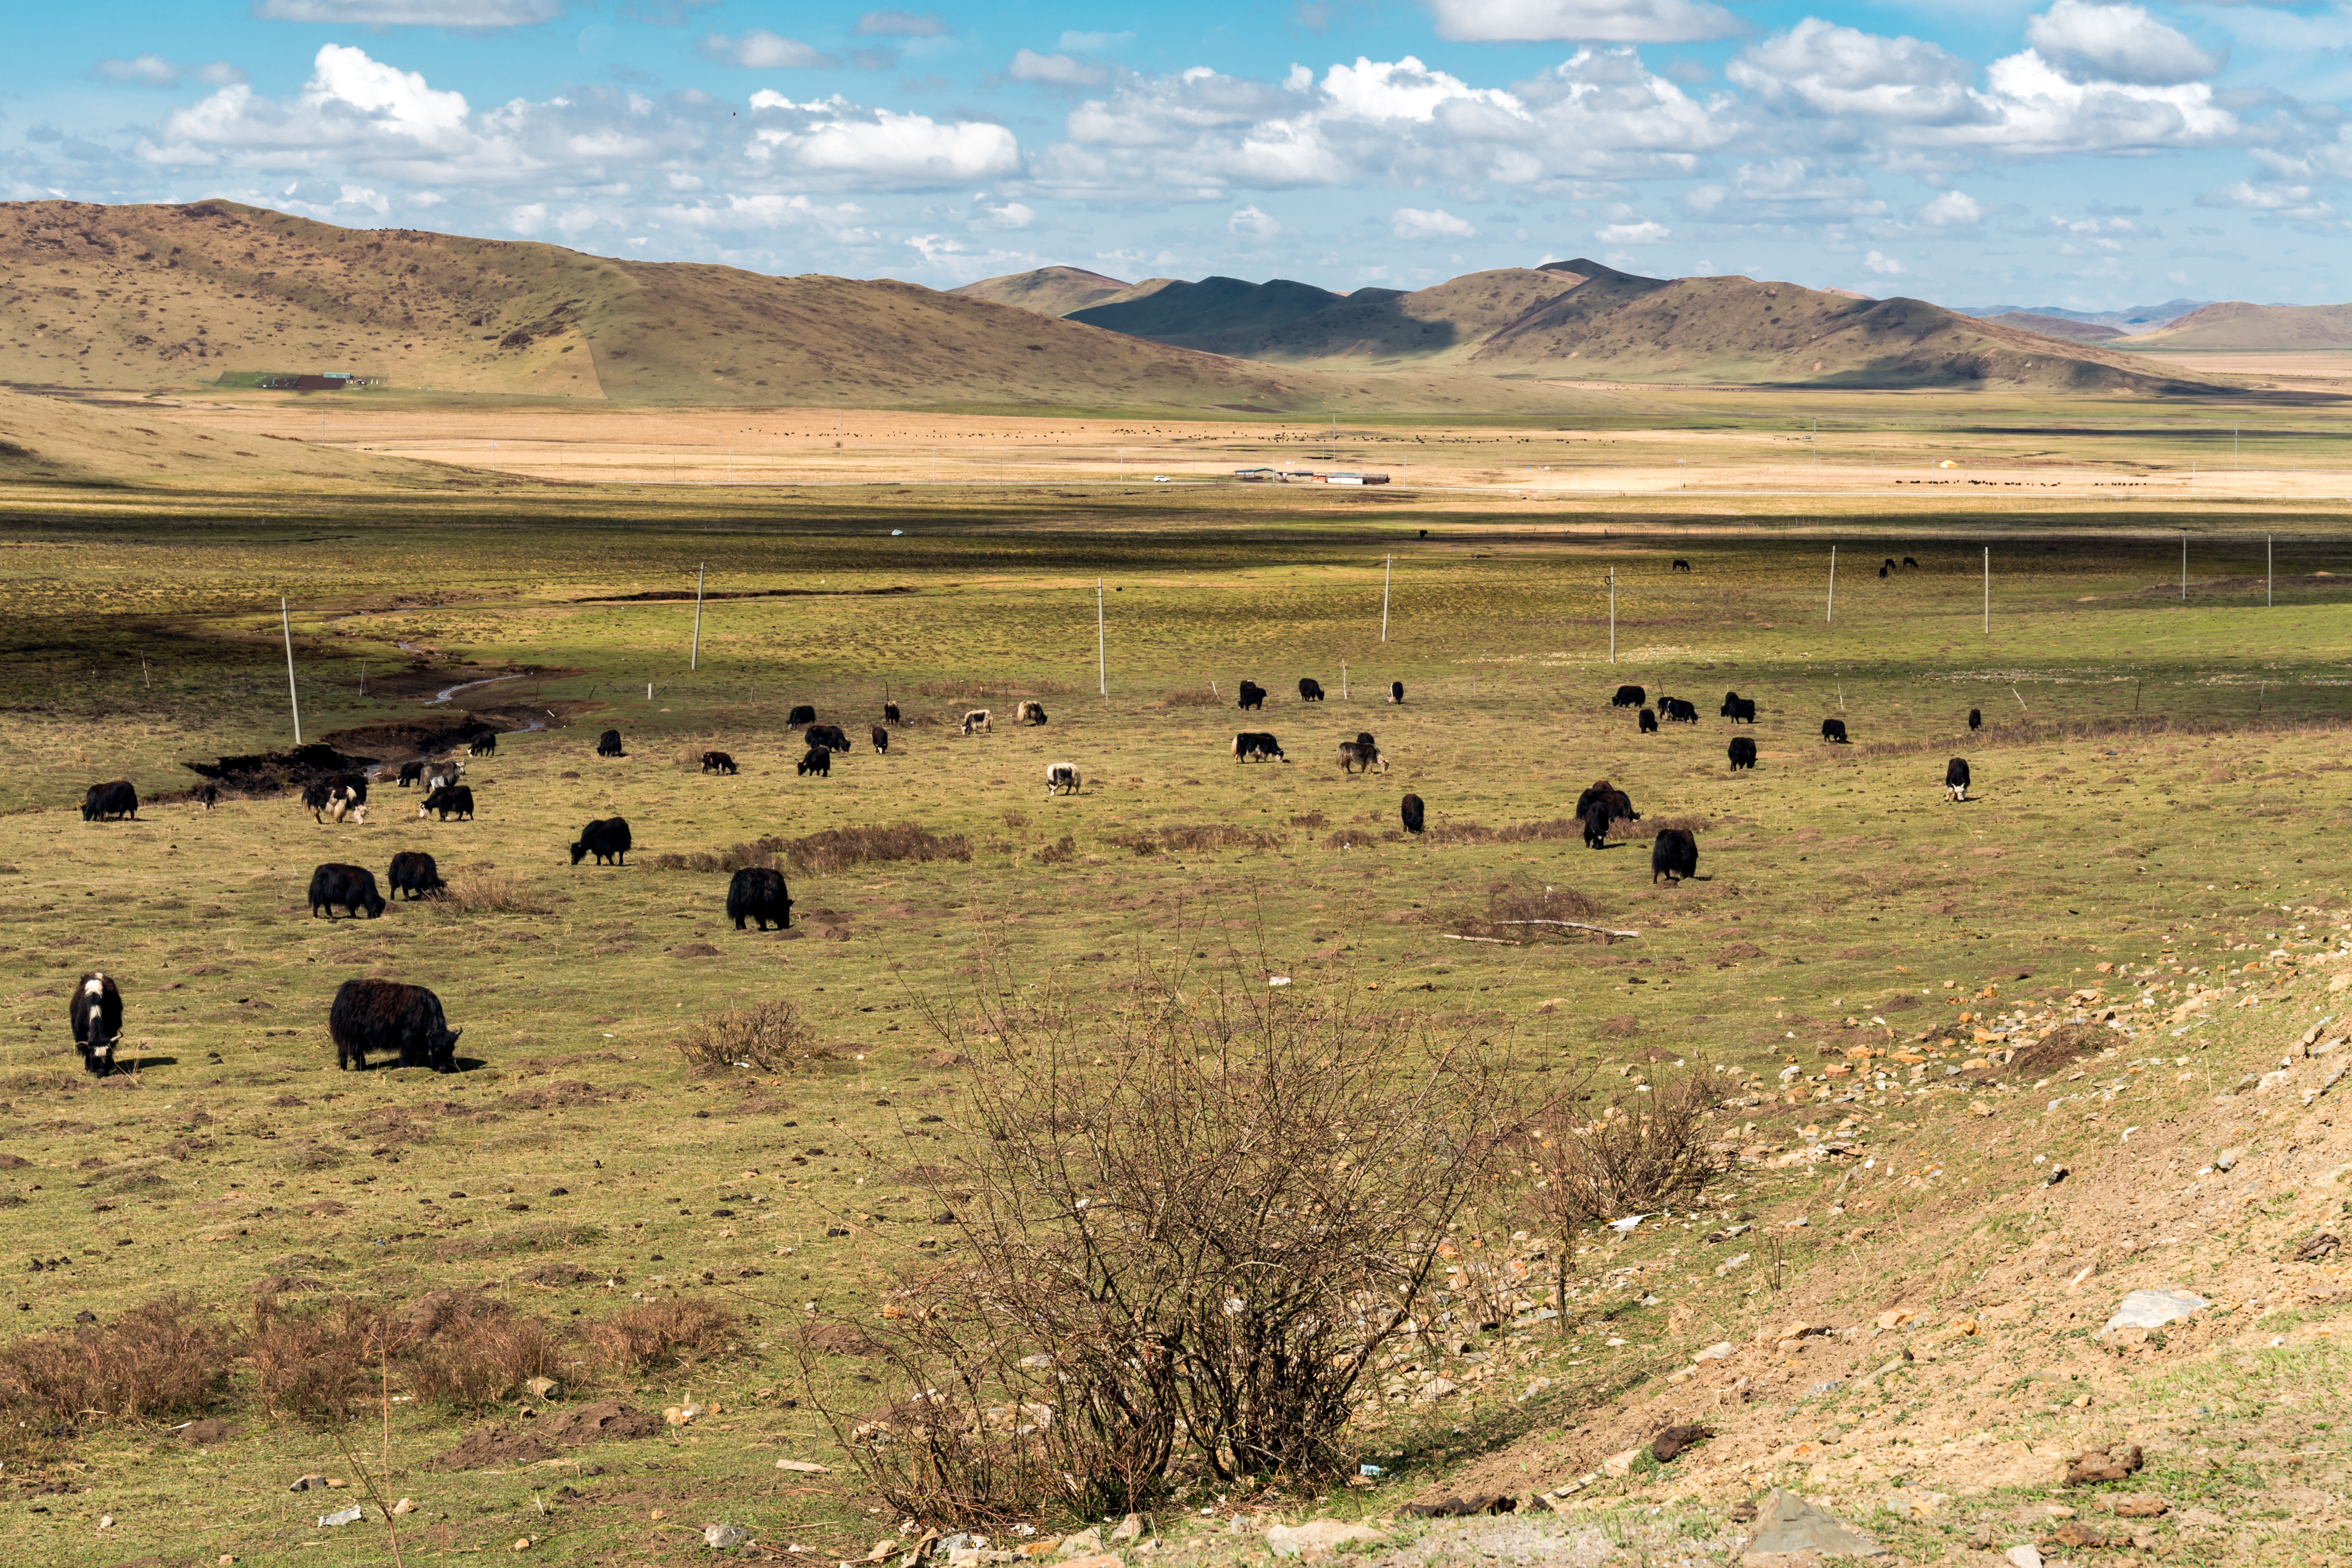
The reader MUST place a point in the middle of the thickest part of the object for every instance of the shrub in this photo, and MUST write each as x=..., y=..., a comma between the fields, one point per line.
x=1135, y=1311
x=833, y=849
x=312, y=1364
x=1194, y=837
x=476, y=1361
x=1524, y=911
x=1639, y=1152
x=169, y=1356
x=658, y=1334
x=766, y=1037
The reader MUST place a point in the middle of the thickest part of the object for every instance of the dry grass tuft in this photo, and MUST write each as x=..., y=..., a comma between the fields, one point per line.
x=833, y=849
x=658, y=1334
x=1194, y=837
x=477, y=891
x=312, y=1364
x=766, y=1037
x=170, y=1356
x=1193, y=697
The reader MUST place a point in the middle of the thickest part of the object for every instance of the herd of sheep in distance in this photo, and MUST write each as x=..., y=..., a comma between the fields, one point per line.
x=406, y=1022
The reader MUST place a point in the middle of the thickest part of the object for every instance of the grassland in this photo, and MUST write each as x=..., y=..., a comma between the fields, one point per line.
x=2161, y=783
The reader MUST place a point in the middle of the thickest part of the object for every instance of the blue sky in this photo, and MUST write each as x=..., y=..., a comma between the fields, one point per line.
x=2067, y=152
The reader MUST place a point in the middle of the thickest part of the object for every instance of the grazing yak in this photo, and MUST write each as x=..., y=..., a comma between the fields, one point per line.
x=350, y=887
x=1882, y=573
x=891, y=713
x=340, y=808
x=1396, y=690
x=608, y=744
x=1256, y=743
x=1628, y=697
x=1364, y=737
x=1613, y=800
x=1354, y=754
x=1649, y=722
x=1414, y=813
x=1681, y=565
x=803, y=714
x=1743, y=752
x=758, y=893
x=978, y=719
x=829, y=736
x=1956, y=778
x=1061, y=778
x=413, y=873
x=410, y=772
x=439, y=774
x=607, y=838
x=208, y=795
x=1309, y=689
x=1674, y=855
x=1253, y=696
x=1976, y=719
x=881, y=739
x=717, y=763
x=449, y=800
x=1596, y=829
x=102, y=801
x=485, y=745
x=1032, y=713
x=383, y=1015
x=96, y=1013
x=1911, y=562
x=1833, y=730
x=817, y=760
x=1887, y=566
x=1674, y=711
x=1741, y=710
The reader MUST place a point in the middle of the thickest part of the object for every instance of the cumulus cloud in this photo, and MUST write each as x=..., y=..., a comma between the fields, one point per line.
x=470, y=16
x=1055, y=70
x=902, y=25
x=1012, y=215
x=1255, y=223
x=2248, y=196
x=1878, y=261
x=1431, y=222
x=2090, y=42
x=1645, y=232
x=1953, y=209
x=760, y=49
x=1580, y=21
x=1844, y=71
x=352, y=105
x=154, y=70
x=880, y=146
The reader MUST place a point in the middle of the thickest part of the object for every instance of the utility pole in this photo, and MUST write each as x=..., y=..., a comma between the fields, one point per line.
x=1102, y=661
x=2184, y=566
x=1612, y=615
x=1387, y=571
x=294, y=698
x=694, y=659
x=1988, y=631
x=2270, y=574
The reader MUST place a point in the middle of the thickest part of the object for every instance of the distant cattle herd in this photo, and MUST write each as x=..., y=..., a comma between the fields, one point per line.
x=405, y=1023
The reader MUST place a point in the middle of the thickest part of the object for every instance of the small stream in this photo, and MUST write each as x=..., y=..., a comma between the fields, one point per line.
x=447, y=693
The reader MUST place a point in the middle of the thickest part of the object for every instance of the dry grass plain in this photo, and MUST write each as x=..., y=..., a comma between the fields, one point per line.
x=2162, y=784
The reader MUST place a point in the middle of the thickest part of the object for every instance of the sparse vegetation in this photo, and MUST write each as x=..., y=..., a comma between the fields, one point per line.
x=764, y=1037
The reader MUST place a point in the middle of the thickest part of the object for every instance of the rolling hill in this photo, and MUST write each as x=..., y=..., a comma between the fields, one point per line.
x=2054, y=327
x=1582, y=320
x=151, y=298
x=2232, y=324
x=1049, y=290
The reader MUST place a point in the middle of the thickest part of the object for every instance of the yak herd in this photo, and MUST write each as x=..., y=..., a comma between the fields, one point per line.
x=405, y=1023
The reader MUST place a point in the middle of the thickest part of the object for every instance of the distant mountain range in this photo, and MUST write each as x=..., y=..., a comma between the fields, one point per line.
x=1581, y=321
x=2127, y=323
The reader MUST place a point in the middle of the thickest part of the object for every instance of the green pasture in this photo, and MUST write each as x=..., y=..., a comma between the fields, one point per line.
x=2156, y=777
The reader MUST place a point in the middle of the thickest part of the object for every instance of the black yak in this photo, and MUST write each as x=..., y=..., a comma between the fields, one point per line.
x=413, y=873
x=115, y=798
x=1743, y=752
x=881, y=739
x=608, y=744
x=1833, y=730
x=350, y=887
x=1309, y=689
x=484, y=744
x=96, y=1014
x=803, y=714
x=1674, y=855
x=816, y=760
x=1413, y=812
x=1976, y=719
x=1956, y=778
x=449, y=800
x=758, y=894
x=607, y=838
x=1649, y=722
x=717, y=763
x=1628, y=697
x=1257, y=744
x=1253, y=696
x=385, y=1016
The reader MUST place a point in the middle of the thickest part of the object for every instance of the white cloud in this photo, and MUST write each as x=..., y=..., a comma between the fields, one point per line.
x=1055, y=70
x=880, y=146
x=470, y=15
x=352, y=103
x=2091, y=42
x=902, y=25
x=1952, y=210
x=1878, y=261
x=2294, y=201
x=1597, y=21
x=759, y=49
x=1843, y=71
x=1012, y=215
x=1255, y=223
x=154, y=70
x=1646, y=232
x=1431, y=222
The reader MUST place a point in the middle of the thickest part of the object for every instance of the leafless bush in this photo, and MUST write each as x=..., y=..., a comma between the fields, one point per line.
x=170, y=1356
x=833, y=849
x=313, y=1363
x=659, y=1334
x=766, y=1037
x=1517, y=910
x=764, y=853
x=1109, y=1309
x=477, y=1361
x=1637, y=1153
x=1192, y=837
x=979, y=691
x=477, y=891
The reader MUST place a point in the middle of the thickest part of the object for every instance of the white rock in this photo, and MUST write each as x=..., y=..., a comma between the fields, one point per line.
x=1718, y=1352
x=406, y=1505
x=803, y=1467
x=1085, y=1544
x=2154, y=1309
x=2024, y=1557
x=724, y=1537
x=1435, y=1389
x=1130, y=1527
x=1317, y=1536
x=351, y=1515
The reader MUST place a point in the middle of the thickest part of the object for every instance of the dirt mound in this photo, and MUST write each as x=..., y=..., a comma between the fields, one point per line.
x=206, y=1432
x=267, y=772
x=2066, y=1045
x=497, y=1444
x=607, y=1420
x=841, y=1339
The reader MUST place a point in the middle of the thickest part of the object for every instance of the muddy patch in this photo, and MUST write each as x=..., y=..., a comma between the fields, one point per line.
x=607, y=1420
